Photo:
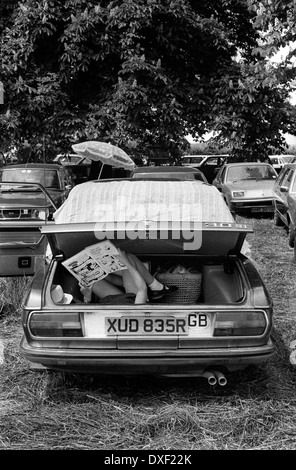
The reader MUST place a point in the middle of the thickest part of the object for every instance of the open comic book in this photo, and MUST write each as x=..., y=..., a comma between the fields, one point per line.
x=94, y=263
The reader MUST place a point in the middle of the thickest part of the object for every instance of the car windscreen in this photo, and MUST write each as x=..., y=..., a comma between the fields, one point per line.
x=237, y=173
x=48, y=178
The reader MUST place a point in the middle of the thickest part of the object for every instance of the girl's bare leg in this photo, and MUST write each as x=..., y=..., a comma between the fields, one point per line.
x=129, y=279
x=100, y=289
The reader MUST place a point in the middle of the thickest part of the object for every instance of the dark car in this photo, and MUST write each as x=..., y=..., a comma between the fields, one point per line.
x=171, y=172
x=285, y=201
x=78, y=166
x=29, y=194
x=219, y=320
x=22, y=201
x=210, y=166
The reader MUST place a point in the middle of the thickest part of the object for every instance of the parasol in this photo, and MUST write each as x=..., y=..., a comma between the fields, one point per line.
x=104, y=152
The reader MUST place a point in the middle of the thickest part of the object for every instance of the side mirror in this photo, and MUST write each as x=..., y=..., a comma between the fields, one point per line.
x=283, y=189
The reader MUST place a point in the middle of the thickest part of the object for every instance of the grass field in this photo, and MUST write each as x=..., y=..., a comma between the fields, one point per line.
x=255, y=411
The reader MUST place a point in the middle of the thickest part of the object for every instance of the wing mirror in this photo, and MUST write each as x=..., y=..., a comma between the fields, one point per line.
x=283, y=189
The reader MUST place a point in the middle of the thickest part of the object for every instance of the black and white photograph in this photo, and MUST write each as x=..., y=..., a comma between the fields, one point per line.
x=147, y=228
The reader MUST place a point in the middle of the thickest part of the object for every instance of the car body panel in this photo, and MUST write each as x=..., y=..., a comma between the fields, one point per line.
x=243, y=190
x=285, y=200
x=25, y=205
x=227, y=328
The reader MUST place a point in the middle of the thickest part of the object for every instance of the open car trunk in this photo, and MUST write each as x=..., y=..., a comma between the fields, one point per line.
x=210, y=264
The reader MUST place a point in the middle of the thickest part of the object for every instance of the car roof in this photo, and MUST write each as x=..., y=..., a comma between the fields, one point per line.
x=282, y=155
x=165, y=169
x=50, y=166
x=247, y=164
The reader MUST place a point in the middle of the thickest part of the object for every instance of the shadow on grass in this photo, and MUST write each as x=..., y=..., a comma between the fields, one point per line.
x=255, y=382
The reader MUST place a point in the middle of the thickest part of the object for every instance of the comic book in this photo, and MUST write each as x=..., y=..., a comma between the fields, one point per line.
x=94, y=263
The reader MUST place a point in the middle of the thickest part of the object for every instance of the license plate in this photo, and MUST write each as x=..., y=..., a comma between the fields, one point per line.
x=146, y=326
x=262, y=209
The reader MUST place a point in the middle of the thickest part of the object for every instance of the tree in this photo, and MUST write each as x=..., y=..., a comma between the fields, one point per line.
x=140, y=74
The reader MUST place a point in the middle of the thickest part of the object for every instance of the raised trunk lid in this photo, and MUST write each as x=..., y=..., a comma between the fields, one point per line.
x=204, y=239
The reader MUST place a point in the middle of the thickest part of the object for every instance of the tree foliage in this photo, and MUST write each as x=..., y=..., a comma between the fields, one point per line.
x=138, y=74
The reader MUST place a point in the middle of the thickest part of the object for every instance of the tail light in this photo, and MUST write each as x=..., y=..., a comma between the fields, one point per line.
x=240, y=323
x=55, y=324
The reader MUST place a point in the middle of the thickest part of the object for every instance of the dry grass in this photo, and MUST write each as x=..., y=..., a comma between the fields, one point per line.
x=256, y=410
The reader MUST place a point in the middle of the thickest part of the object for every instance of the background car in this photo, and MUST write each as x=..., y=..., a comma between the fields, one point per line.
x=78, y=166
x=24, y=198
x=285, y=201
x=247, y=187
x=220, y=319
x=29, y=194
x=278, y=161
x=172, y=172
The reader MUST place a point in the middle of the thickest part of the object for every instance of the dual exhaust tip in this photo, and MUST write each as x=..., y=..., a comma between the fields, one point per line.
x=214, y=377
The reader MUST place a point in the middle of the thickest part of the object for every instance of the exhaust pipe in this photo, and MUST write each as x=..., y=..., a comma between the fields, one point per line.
x=221, y=378
x=210, y=375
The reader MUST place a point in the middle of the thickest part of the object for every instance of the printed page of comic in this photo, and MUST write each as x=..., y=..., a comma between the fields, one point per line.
x=94, y=263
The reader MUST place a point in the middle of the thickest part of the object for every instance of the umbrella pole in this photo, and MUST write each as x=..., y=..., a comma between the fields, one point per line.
x=100, y=171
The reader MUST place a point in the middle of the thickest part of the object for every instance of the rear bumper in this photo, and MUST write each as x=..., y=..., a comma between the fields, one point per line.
x=134, y=362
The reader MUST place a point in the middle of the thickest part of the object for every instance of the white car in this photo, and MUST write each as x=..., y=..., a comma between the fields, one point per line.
x=278, y=161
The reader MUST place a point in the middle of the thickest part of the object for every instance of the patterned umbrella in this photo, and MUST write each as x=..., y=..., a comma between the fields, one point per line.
x=106, y=153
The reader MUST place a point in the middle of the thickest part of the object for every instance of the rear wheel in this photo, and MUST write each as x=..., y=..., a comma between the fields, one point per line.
x=276, y=218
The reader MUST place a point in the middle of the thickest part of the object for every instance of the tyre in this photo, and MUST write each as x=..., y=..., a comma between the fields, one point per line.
x=231, y=208
x=291, y=235
x=276, y=218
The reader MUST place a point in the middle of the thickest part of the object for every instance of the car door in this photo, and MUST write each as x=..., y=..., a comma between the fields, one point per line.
x=211, y=166
x=281, y=192
x=218, y=180
x=291, y=199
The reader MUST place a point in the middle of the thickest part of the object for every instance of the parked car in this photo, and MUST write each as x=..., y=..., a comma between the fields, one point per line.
x=78, y=166
x=278, y=161
x=220, y=319
x=247, y=187
x=285, y=201
x=172, y=172
x=29, y=194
